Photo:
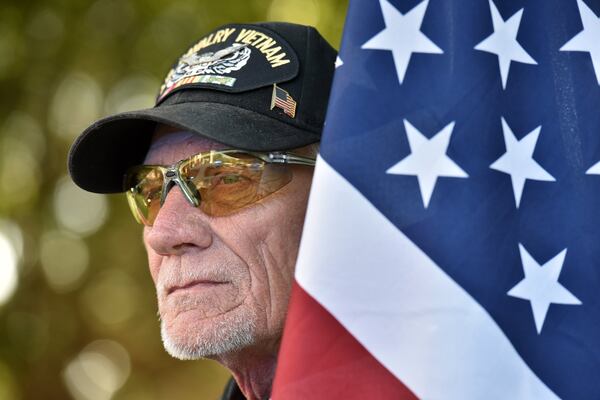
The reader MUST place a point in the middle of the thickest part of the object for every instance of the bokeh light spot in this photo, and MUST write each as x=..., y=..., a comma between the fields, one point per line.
x=24, y=128
x=132, y=93
x=14, y=234
x=19, y=173
x=8, y=269
x=64, y=258
x=99, y=370
x=77, y=101
x=77, y=210
x=112, y=297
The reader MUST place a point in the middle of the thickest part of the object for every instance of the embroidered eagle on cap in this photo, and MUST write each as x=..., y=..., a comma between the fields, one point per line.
x=222, y=62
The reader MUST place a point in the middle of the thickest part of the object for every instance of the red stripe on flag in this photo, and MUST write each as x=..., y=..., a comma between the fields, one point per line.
x=320, y=359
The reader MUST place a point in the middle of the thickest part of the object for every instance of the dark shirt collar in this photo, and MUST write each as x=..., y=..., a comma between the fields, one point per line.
x=232, y=391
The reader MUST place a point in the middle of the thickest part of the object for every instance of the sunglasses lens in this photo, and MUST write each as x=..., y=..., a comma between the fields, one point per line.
x=228, y=182
x=145, y=185
x=222, y=183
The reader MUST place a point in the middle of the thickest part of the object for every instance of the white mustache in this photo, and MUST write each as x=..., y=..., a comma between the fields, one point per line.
x=172, y=276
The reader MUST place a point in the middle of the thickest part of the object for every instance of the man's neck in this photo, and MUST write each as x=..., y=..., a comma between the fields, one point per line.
x=252, y=371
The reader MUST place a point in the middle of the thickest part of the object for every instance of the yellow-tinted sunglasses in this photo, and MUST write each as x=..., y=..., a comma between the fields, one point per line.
x=219, y=182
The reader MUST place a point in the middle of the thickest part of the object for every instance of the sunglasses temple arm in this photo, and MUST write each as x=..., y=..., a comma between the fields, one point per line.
x=285, y=158
x=292, y=159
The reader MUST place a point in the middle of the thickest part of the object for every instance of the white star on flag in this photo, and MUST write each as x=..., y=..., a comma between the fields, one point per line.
x=540, y=286
x=402, y=36
x=503, y=42
x=338, y=62
x=594, y=169
x=588, y=38
x=518, y=160
x=428, y=160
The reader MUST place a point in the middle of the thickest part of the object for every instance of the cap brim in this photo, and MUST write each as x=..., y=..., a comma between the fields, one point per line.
x=102, y=153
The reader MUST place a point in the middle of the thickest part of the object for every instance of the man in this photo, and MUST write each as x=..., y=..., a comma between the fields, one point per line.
x=219, y=173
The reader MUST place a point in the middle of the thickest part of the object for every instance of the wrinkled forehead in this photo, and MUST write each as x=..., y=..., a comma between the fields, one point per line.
x=170, y=145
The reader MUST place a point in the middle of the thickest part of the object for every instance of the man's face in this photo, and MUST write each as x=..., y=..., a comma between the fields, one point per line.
x=222, y=283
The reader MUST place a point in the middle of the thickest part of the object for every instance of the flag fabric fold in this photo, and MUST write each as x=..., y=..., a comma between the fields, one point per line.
x=452, y=241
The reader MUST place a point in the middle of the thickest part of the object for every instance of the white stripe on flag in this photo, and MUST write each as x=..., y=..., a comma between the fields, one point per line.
x=418, y=322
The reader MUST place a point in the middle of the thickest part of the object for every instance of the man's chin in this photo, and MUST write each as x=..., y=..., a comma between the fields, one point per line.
x=189, y=339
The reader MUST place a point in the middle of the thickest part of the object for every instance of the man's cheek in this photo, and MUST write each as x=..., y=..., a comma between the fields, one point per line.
x=154, y=261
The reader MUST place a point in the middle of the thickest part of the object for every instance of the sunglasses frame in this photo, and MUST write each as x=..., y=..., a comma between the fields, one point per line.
x=172, y=176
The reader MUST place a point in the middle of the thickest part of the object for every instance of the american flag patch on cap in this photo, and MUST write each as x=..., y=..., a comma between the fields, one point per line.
x=283, y=100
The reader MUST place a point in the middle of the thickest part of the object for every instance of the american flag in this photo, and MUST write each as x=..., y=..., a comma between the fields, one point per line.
x=451, y=248
x=283, y=100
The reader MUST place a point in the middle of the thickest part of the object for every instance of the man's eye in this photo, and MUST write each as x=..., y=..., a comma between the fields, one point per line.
x=230, y=179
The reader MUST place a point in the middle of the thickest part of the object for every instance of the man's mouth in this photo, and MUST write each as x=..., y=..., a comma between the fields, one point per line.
x=195, y=285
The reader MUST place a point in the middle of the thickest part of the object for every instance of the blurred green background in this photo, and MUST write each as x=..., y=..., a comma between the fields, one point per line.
x=77, y=305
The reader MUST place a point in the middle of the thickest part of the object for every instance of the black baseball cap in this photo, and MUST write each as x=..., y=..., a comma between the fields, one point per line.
x=260, y=87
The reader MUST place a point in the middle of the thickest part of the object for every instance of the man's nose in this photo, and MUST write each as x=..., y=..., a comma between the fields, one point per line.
x=178, y=225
